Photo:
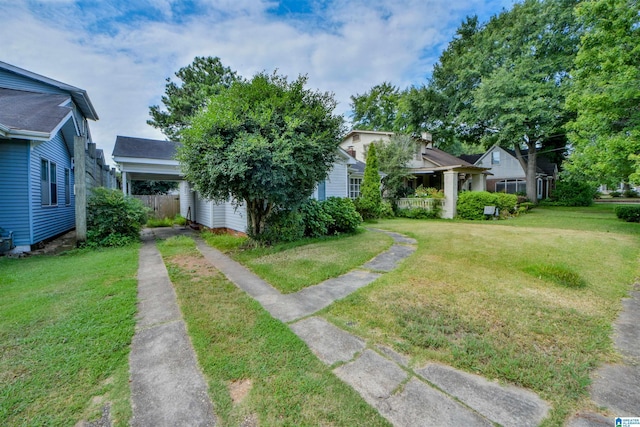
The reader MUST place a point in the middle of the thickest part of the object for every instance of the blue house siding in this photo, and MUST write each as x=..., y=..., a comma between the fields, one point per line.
x=49, y=221
x=13, y=81
x=14, y=186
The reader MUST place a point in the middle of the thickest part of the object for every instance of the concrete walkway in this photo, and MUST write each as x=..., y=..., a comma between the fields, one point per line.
x=432, y=395
x=167, y=387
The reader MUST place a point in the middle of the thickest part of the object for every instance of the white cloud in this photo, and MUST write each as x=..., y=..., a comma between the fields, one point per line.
x=346, y=49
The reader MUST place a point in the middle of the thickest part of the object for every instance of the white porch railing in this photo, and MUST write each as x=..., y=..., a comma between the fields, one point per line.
x=428, y=204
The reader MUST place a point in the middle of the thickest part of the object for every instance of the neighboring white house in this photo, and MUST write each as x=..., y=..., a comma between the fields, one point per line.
x=147, y=159
x=430, y=166
x=508, y=174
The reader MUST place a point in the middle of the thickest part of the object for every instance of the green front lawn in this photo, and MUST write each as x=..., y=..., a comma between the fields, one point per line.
x=66, y=323
x=528, y=301
x=291, y=267
x=259, y=372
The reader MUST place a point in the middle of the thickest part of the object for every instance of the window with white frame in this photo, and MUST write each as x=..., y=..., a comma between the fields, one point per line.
x=511, y=186
x=48, y=183
x=354, y=187
x=495, y=157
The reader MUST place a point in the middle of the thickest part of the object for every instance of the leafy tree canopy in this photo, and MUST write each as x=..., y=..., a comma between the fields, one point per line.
x=605, y=94
x=393, y=157
x=152, y=187
x=376, y=109
x=264, y=141
x=205, y=77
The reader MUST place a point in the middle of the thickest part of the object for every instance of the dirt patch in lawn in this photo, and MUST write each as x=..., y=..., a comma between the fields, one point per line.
x=239, y=390
x=195, y=265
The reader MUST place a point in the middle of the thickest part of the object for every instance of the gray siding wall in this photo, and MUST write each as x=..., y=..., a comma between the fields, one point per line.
x=336, y=183
x=49, y=221
x=203, y=209
x=14, y=186
x=13, y=81
x=236, y=219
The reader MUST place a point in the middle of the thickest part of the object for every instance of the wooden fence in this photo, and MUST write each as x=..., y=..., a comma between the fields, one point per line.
x=165, y=206
x=428, y=204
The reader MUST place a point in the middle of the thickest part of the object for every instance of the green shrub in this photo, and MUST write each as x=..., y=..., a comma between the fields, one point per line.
x=369, y=204
x=345, y=218
x=316, y=220
x=569, y=192
x=386, y=210
x=628, y=213
x=471, y=203
x=418, y=213
x=113, y=219
x=615, y=193
x=630, y=194
x=429, y=192
x=282, y=226
x=506, y=203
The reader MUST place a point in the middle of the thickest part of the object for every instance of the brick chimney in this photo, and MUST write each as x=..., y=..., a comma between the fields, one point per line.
x=351, y=151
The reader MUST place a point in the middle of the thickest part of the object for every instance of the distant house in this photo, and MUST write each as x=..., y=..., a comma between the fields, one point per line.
x=146, y=159
x=39, y=120
x=508, y=174
x=430, y=166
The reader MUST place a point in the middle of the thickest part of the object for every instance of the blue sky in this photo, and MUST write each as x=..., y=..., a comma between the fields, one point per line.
x=121, y=51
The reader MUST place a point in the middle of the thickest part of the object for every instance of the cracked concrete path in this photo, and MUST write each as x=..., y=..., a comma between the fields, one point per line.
x=433, y=395
x=167, y=386
x=616, y=387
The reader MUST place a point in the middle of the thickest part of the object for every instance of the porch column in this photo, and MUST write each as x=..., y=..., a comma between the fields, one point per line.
x=450, y=194
x=124, y=183
x=80, y=188
x=479, y=182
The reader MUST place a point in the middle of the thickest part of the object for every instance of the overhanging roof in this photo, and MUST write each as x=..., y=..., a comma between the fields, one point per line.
x=31, y=115
x=80, y=96
x=147, y=159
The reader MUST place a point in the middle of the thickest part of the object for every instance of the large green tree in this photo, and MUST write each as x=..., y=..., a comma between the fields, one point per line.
x=605, y=95
x=205, y=77
x=505, y=82
x=377, y=108
x=265, y=141
x=393, y=157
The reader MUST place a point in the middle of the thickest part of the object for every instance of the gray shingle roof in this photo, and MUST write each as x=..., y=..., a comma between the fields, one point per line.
x=142, y=148
x=29, y=111
x=80, y=96
x=442, y=158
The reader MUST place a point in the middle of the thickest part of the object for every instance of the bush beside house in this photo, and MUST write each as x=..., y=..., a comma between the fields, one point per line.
x=336, y=215
x=471, y=204
x=113, y=219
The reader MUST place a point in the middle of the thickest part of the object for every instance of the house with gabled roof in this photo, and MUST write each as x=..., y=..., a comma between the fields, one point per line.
x=508, y=175
x=40, y=119
x=141, y=159
x=430, y=166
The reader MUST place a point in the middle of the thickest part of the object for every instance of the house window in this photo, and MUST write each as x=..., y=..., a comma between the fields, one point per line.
x=67, y=186
x=354, y=187
x=356, y=137
x=322, y=191
x=48, y=183
x=495, y=157
x=539, y=188
x=511, y=186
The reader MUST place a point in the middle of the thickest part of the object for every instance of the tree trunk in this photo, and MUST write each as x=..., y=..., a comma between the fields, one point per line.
x=530, y=169
x=258, y=211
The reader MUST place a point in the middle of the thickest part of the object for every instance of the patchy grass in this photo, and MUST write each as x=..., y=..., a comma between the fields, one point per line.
x=529, y=301
x=66, y=323
x=293, y=266
x=257, y=369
